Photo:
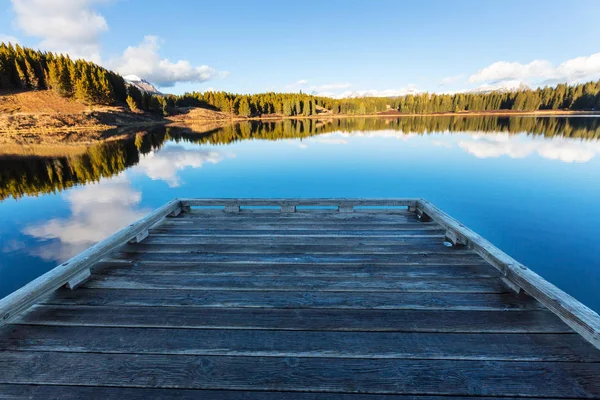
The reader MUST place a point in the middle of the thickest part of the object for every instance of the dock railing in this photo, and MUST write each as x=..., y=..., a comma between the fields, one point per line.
x=73, y=272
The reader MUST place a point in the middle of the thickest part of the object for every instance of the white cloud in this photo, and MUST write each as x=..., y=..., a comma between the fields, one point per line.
x=8, y=39
x=164, y=164
x=97, y=211
x=68, y=26
x=541, y=71
x=561, y=149
x=74, y=27
x=144, y=61
x=580, y=68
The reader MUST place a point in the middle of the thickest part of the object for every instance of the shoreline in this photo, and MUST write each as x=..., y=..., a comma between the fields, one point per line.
x=386, y=114
x=125, y=123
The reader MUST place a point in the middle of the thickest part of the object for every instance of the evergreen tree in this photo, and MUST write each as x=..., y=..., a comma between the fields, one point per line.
x=22, y=76
x=132, y=104
x=33, y=82
x=244, y=108
x=306, y=107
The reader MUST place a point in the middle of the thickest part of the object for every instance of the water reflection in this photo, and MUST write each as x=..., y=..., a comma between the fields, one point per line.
x=97, y=211
x=165, y=164
x=562, y=149
x=491, y=137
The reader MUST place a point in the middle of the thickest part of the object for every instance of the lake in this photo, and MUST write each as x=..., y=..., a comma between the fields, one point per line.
x=529, y=185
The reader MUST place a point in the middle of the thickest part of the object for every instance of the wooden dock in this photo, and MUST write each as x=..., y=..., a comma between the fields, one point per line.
x=300, y=299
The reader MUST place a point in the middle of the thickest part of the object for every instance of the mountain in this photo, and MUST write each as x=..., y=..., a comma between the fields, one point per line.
x=353, y=94
x=141, y=84
x=502, y=87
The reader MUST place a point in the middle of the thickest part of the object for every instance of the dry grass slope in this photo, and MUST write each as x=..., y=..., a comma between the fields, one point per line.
x=43, y=116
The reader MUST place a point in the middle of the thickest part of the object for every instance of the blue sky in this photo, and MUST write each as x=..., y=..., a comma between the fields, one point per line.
x=330, y=47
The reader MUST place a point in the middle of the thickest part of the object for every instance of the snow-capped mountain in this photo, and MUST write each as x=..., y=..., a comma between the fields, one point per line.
x=352, y=94
x=503, y=87
x=141, y=84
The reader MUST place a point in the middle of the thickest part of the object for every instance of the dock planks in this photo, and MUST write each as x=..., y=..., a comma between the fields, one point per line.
x=313, y=304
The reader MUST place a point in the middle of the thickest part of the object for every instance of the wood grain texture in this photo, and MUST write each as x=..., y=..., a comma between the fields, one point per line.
x=277, y=343
x=252, y=248
x=303, y=202
x=301, y=227
x=471, y=271
x=299, y=214
x=295, y=299
x=58, y=392
x=424, y=257
x=397, y=232
x=312, y=283
x=350, y=241
x=300, y=218
x=444, y=377
x=298, y=319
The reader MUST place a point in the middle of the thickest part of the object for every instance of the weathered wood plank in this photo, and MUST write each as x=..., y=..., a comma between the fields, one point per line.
x=299, y=214
x=302, y=258
x=300, y=220
x=303, y=202
x=298, y=319
x=312, y=283
x=331, y=270
x=253, y=343
x=58, y=392
x=251, y=248
x=296, y=233
x=443, y=377
x=299, y=240
x=42, y=286
x=582, y=319
x=300, y=217
x=295, y=299
x=305, y=226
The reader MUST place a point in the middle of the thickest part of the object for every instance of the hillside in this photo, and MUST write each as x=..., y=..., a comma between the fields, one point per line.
x=27, y=117
x=39, y=101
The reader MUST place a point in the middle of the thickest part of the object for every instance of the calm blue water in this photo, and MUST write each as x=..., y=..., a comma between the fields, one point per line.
x=536, y=197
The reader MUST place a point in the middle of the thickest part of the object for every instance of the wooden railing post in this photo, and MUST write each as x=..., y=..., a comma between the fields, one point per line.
x=423, y=216
x=453, y=238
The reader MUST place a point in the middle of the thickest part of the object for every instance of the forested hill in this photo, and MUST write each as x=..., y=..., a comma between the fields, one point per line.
x=27, y=69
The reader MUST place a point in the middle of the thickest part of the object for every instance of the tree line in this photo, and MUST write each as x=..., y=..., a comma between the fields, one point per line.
x=584, y=96
x=27, y=69
x=22, y=68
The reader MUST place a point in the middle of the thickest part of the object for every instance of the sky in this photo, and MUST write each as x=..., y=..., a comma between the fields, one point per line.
x=331, y=47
